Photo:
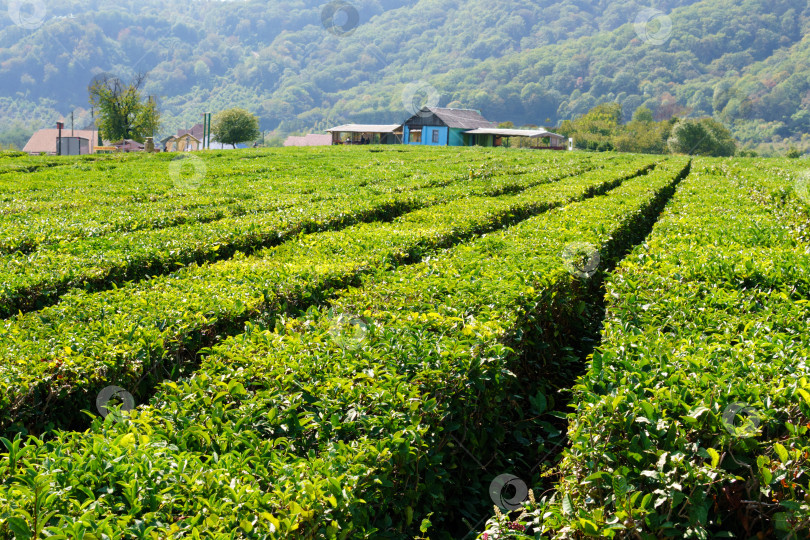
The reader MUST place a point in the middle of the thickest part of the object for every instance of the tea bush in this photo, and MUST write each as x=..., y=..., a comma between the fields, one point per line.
x=692, y=420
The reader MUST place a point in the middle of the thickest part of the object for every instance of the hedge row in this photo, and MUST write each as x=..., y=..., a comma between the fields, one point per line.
x=26, y=232
x=219, y=193
x=145, y=332
x=32, y=280
x=692, y=421
x=316, y=431
x=65, y=183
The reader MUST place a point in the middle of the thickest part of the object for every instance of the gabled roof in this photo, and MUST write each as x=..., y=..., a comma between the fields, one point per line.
x=178, y=137
x=365, y=128
x=196, y=131
x=459, y=118
x=44, y=140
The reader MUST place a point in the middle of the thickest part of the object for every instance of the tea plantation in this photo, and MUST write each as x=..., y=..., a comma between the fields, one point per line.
x=388, y=342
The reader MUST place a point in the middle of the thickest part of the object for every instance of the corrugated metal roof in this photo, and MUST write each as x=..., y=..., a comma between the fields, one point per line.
x=514, y=132
x=460, y=118
x=365, y=128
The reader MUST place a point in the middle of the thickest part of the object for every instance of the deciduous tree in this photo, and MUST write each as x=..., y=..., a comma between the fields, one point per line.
x=234, y=126
x=704, y=137
x=123, y=113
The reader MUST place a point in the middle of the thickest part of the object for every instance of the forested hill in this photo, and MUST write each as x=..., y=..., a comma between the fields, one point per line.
x=747, y=62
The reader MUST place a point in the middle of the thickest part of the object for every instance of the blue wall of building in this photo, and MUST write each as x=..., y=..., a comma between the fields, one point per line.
x=428, y=136
x=434, y=135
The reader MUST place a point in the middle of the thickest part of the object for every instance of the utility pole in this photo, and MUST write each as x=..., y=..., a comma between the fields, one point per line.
x=71, y=123
x=59, y=126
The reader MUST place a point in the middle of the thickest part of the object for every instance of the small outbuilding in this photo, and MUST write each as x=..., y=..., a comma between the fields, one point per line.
x=366, y=134
x=44, y=141
x=539, y=138
x=182, y=143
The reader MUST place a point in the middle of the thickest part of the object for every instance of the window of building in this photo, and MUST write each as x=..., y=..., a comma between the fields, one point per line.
x=415, y=136
x=435, y=136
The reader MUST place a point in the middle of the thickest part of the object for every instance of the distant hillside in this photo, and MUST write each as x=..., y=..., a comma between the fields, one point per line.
x=744, y=61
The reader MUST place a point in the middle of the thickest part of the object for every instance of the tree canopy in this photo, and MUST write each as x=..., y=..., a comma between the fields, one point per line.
x=601, y=129
x=703, y=137
x=122, y=111
x=742, y=62
x=235, y=125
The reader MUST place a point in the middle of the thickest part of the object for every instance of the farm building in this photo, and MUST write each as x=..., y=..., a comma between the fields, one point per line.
x=446, y=127
x=194, y=139
x=181, y=143
x=197, y=131
x=437, y=126
x=538, y=138
x=366, y=134
x=44, y=141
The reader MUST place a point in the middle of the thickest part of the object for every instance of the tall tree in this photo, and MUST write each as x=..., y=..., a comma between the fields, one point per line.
x=123, y=112
x=234, y=126
x=596, y=128
x=703, y=137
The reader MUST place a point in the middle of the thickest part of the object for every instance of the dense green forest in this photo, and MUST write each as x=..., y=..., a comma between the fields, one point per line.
x=744, y=62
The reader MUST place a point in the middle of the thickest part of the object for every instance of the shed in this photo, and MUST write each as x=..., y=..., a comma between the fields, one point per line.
x=439, y=126
x=197, y=131
x=181, y=143
x=72, y=146
x=544, y=138
x=366, y=134
x=44, y=140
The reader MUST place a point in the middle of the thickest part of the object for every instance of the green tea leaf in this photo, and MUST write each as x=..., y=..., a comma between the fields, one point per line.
x=715, y=457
